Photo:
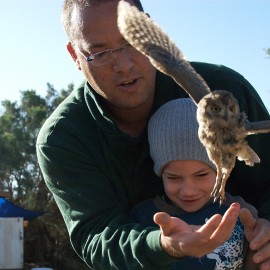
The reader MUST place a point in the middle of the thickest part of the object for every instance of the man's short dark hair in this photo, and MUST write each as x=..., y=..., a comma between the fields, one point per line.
x=70, y=5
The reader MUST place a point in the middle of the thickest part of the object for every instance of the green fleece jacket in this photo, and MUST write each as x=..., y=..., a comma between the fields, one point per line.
x=97, y=173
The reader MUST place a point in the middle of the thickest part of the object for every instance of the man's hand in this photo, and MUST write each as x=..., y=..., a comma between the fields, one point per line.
x=257, y=232
x=180, y=239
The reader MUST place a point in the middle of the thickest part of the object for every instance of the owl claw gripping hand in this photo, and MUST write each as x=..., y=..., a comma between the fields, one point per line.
x=222, y=127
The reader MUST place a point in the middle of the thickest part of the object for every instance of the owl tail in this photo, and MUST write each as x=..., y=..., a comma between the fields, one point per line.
x=248, y=155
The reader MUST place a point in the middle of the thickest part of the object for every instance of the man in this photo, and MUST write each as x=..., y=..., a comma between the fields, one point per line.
x=94, y=154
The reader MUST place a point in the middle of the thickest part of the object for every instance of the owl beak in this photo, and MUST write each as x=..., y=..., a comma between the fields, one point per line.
x=225, y=116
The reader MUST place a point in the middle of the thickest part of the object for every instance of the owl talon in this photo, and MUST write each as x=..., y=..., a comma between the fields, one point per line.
x=216, y=190
x=221, y=200
x=218, y=197
x=215, y=195
x=218, y=193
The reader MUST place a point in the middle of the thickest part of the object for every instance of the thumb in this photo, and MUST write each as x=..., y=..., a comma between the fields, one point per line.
x=249, y=223
x=164, y=221
x=247, y=219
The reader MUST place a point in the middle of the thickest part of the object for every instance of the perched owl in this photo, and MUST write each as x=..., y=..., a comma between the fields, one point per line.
x=222, y=127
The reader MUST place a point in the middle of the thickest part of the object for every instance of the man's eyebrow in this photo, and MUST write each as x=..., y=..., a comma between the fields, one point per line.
x=97, y=45
x=101, y=45
x=90, y=46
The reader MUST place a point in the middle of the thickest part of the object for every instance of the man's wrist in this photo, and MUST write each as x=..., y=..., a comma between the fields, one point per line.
x=169, y=249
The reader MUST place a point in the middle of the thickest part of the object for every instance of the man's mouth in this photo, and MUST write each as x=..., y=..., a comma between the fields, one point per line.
x=127, y=83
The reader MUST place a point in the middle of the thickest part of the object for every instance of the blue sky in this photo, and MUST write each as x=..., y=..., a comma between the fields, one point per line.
x=230, y=32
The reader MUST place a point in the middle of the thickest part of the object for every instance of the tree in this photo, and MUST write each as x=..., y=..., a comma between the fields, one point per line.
x=20, y=123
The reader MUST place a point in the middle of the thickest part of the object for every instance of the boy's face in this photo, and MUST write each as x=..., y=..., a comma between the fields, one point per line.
x=188, y=184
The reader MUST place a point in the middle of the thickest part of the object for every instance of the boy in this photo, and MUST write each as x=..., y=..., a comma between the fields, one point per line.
x=188, y=178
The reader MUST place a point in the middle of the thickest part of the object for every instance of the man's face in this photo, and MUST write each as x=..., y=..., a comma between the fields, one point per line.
x=128, y=81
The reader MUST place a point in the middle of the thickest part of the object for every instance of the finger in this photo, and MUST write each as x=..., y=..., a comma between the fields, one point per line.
x=249, y=223
x=226, y=226
x=232, y=212
x=217, y=222
x=265, y=265
x=260, y=236
x=210, y=226
x=262, y=255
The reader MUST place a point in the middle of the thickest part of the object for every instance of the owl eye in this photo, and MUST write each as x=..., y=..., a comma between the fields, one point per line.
x=215, y=108
x=232, y=108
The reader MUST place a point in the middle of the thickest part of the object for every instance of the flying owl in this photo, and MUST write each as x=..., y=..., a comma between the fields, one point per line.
x=222, y=127
x=222, y=131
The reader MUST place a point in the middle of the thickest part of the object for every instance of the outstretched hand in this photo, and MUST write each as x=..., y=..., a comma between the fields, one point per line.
x=180, y=239
x=257, y=232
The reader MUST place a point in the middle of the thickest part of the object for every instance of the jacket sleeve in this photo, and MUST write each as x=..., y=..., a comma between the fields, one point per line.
x=94, y=215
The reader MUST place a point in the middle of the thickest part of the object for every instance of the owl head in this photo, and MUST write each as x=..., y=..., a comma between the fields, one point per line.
x=218, y=106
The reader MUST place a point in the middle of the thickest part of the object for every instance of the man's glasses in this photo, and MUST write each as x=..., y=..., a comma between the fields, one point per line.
x=106, y=56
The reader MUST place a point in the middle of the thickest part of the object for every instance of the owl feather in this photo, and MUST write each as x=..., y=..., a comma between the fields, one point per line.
x=148, y=38
x=222, y=127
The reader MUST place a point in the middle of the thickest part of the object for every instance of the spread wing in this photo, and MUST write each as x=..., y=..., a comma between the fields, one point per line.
x=257, y=127
x=143, y=34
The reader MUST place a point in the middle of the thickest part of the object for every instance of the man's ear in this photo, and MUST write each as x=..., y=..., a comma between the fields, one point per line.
x=73, y=55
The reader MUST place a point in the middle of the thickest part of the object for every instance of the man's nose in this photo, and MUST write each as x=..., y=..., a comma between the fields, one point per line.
x=122, y=61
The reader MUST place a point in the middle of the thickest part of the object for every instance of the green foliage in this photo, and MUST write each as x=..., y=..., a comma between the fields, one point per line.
x=20, y=123
x=267, y=51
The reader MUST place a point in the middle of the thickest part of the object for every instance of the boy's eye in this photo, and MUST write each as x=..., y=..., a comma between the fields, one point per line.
x=173, y=178
x=202, y=174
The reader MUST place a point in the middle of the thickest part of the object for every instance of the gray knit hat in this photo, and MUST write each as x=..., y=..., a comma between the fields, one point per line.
x=173, y=135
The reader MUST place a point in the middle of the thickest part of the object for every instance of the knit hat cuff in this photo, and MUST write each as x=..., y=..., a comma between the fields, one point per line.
x=173, y=135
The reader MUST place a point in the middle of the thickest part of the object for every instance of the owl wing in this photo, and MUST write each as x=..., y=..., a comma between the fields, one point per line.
x=143, y=34
x=148, y=38
x=257, y=127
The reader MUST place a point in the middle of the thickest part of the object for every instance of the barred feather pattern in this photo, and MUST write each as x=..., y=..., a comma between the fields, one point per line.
x=148, y=38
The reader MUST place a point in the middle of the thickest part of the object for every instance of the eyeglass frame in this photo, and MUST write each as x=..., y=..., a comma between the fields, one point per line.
x=91, y=57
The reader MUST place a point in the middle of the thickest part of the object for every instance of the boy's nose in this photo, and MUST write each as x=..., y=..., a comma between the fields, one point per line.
x=188, y=189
